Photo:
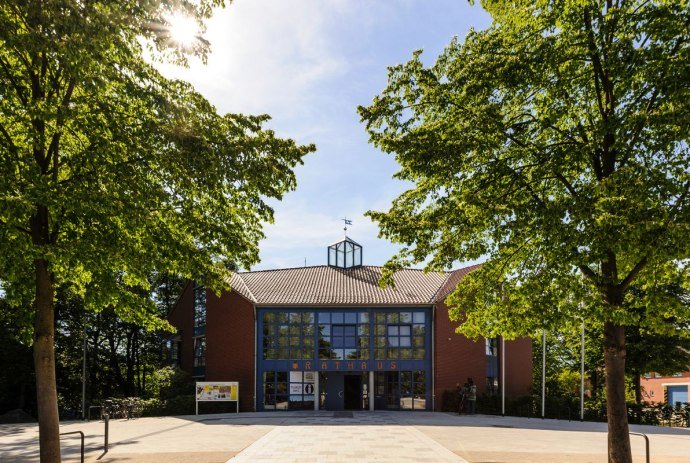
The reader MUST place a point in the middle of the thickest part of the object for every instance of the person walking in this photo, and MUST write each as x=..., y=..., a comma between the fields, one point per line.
x=471, y=396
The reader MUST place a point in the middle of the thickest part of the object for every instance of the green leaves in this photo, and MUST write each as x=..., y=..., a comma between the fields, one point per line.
x=554, y=145
x=137, y=174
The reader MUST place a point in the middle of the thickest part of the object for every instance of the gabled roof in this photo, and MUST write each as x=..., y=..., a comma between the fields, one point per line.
x=324, y=285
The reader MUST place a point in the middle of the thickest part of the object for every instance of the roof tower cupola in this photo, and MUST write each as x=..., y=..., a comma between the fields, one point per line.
x=345, y=253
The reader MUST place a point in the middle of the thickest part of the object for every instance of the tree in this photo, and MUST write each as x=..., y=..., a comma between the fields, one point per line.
x=110, y=172
x=553, y=144
x=665, y=350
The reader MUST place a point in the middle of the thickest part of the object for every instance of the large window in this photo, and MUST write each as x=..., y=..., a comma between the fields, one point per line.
x=199, y=310
x=171, y=352
x=275, y=390
x=399, y=335
x=302, y=390
x=401, y=389
x=343, y=335
x=199, y=352
x=288, y=335
x=492, y=366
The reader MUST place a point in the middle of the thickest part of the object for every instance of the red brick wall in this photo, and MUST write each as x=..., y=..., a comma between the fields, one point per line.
x=230, y=343
x=457, y=358
x=182, y=318
x=518, y=367
x=653, y=388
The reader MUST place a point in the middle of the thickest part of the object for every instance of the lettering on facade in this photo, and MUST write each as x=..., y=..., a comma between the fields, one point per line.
x=341, y=365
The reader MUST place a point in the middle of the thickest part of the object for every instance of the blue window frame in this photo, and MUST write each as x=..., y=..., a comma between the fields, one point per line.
x=399, y=335
x=199, y=310
x=379, y=339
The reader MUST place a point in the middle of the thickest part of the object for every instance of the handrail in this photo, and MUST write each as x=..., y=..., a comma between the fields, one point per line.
x=82, y=441
x=646, y=440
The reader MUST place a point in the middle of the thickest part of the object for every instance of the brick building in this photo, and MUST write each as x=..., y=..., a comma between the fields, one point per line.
x=667, y=389
x=328, y=337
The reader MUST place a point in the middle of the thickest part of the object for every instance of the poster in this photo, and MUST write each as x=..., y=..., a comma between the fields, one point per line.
x=216, y=391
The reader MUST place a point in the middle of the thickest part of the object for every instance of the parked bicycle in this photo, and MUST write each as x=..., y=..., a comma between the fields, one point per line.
x=127, y=408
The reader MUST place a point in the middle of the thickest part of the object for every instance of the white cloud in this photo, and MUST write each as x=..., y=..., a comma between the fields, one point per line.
x=297, y=226
x=267, y=55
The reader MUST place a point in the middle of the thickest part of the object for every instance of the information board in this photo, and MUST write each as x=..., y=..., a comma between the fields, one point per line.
x=216, y=391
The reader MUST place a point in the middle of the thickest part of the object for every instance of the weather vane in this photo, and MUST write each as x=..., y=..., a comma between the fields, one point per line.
x=347, y=222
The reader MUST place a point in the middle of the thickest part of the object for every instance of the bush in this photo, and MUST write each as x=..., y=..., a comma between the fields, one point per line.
x=153, y=407
x=180, y=405
x=173, y=382
x=449, y=401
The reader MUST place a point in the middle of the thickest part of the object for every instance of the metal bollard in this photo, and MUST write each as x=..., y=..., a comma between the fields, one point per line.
x=106, y=420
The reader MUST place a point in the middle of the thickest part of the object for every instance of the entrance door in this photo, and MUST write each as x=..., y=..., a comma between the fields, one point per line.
x=335, y=393
x=353, y=392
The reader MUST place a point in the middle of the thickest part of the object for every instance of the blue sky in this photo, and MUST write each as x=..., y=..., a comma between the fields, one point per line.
x=308, y=64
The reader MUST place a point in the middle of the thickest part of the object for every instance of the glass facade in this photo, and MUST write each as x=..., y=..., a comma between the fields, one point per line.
x=328, y=354
x=199, y=364
x=200, y=352
x=199, y=310
x=492, y=366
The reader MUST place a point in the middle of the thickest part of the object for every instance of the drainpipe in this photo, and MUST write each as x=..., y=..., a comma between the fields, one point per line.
x=256, y=346
x=433, y=358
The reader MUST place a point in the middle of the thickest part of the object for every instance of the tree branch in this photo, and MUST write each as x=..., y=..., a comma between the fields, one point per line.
x=632, y=274
x=10, y=142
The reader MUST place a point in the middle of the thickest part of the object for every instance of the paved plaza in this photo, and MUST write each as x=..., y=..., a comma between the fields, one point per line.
x=311, y=437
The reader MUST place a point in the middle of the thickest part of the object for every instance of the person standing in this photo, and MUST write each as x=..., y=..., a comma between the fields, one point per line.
x=471, y=396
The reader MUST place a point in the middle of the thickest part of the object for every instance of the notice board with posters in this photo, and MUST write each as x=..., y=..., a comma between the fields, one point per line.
x=217, y=391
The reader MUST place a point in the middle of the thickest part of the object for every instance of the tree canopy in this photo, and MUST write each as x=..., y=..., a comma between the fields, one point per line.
x=553, y=145
x=111, y=172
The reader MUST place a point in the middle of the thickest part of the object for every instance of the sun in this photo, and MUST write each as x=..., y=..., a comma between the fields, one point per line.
x=184, y=30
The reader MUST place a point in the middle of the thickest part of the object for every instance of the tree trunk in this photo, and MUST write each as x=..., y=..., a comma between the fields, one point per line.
x=617, y=415
x=44, y=363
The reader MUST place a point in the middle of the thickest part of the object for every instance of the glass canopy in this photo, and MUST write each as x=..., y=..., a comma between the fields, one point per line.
x=345, y=254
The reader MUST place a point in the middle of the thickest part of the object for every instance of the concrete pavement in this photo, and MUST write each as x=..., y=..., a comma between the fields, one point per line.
x=308, y=436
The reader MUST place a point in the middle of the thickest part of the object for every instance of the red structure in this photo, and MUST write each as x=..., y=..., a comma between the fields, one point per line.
x=328, y=337
x=665, y=389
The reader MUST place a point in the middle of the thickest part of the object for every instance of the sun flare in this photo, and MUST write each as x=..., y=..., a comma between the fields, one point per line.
x=184, y=30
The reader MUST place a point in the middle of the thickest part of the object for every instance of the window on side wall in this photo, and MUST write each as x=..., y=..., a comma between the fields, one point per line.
x=199, y=310
x=200, y=352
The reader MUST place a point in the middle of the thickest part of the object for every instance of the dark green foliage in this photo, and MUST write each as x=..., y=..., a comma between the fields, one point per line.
x=17, y=387
x=554, y=145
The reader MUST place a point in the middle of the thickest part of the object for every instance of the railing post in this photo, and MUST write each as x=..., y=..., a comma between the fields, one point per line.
x=81, y=435
x=646, y=441
x=105, y=436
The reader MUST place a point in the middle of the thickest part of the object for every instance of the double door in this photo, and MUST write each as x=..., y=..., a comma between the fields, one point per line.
x=344, y=391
